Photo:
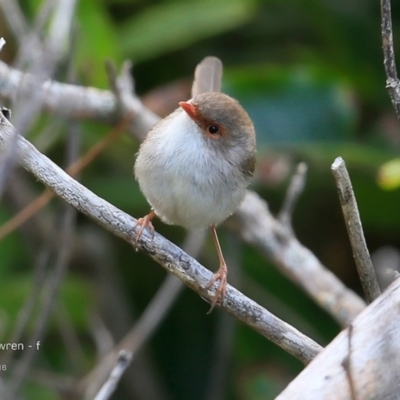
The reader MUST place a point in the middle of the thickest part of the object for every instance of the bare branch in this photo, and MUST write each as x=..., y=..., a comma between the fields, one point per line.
x=375, y=358
x=392, y=81
x=61, y=26
x=123, y=361
x=259, y=228
x=171, y=257
x=295, y=189
x=351, y=215
x=79, y=102
x=15, y=18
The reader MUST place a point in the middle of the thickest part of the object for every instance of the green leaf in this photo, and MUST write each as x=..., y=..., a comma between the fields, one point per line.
x=174, y=25
x=96, y=41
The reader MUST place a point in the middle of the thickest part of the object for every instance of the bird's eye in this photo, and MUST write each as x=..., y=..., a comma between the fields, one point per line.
x=213, y=129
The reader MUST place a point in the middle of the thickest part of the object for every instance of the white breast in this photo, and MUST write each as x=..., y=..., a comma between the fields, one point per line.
x=183, y=179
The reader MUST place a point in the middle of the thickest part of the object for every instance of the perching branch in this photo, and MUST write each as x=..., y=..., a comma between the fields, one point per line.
x=169, y=256
x=351, y=215
x=392, y=81
x=289, y=256
x=321, y=284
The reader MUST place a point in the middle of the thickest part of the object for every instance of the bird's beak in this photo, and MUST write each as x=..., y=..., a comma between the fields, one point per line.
x=190, y=109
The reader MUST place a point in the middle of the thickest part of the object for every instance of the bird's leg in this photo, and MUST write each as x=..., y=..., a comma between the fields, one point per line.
x=221, y=274
x=145, y=222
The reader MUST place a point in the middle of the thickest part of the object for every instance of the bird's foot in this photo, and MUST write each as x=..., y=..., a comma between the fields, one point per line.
x=222, y=276
x=144, y=222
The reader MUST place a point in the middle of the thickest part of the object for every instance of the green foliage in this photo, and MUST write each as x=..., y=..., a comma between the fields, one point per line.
x=168, y=26
x=74, y=293
x=96, y=42
x=320, y=105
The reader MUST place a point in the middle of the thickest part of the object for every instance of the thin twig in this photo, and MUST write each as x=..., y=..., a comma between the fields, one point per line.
x=161, y=250
x=60, y=28
x=392, y=81
x=351, y=215
x=295, y=189
x=123, y=361
x=15, y=18
x=122, y=86
x=26, y=213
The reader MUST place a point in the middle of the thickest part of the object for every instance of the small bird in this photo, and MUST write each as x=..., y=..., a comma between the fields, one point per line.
x=195, y=164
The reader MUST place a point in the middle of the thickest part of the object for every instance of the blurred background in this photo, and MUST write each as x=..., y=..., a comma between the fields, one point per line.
x=310, y=74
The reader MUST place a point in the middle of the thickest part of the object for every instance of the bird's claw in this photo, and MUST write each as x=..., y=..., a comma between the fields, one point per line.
x=144, y=222
x=222, y=276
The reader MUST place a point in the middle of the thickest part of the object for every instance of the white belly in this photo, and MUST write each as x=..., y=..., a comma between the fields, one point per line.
x=185, y=183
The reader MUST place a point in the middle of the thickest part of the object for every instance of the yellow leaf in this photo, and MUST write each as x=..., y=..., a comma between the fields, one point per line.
x=389, y=175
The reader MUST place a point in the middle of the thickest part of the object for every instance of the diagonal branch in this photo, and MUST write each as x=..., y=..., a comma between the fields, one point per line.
x=169, y=256
x=258, y=227
x=352, y=218
x=287, y=254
